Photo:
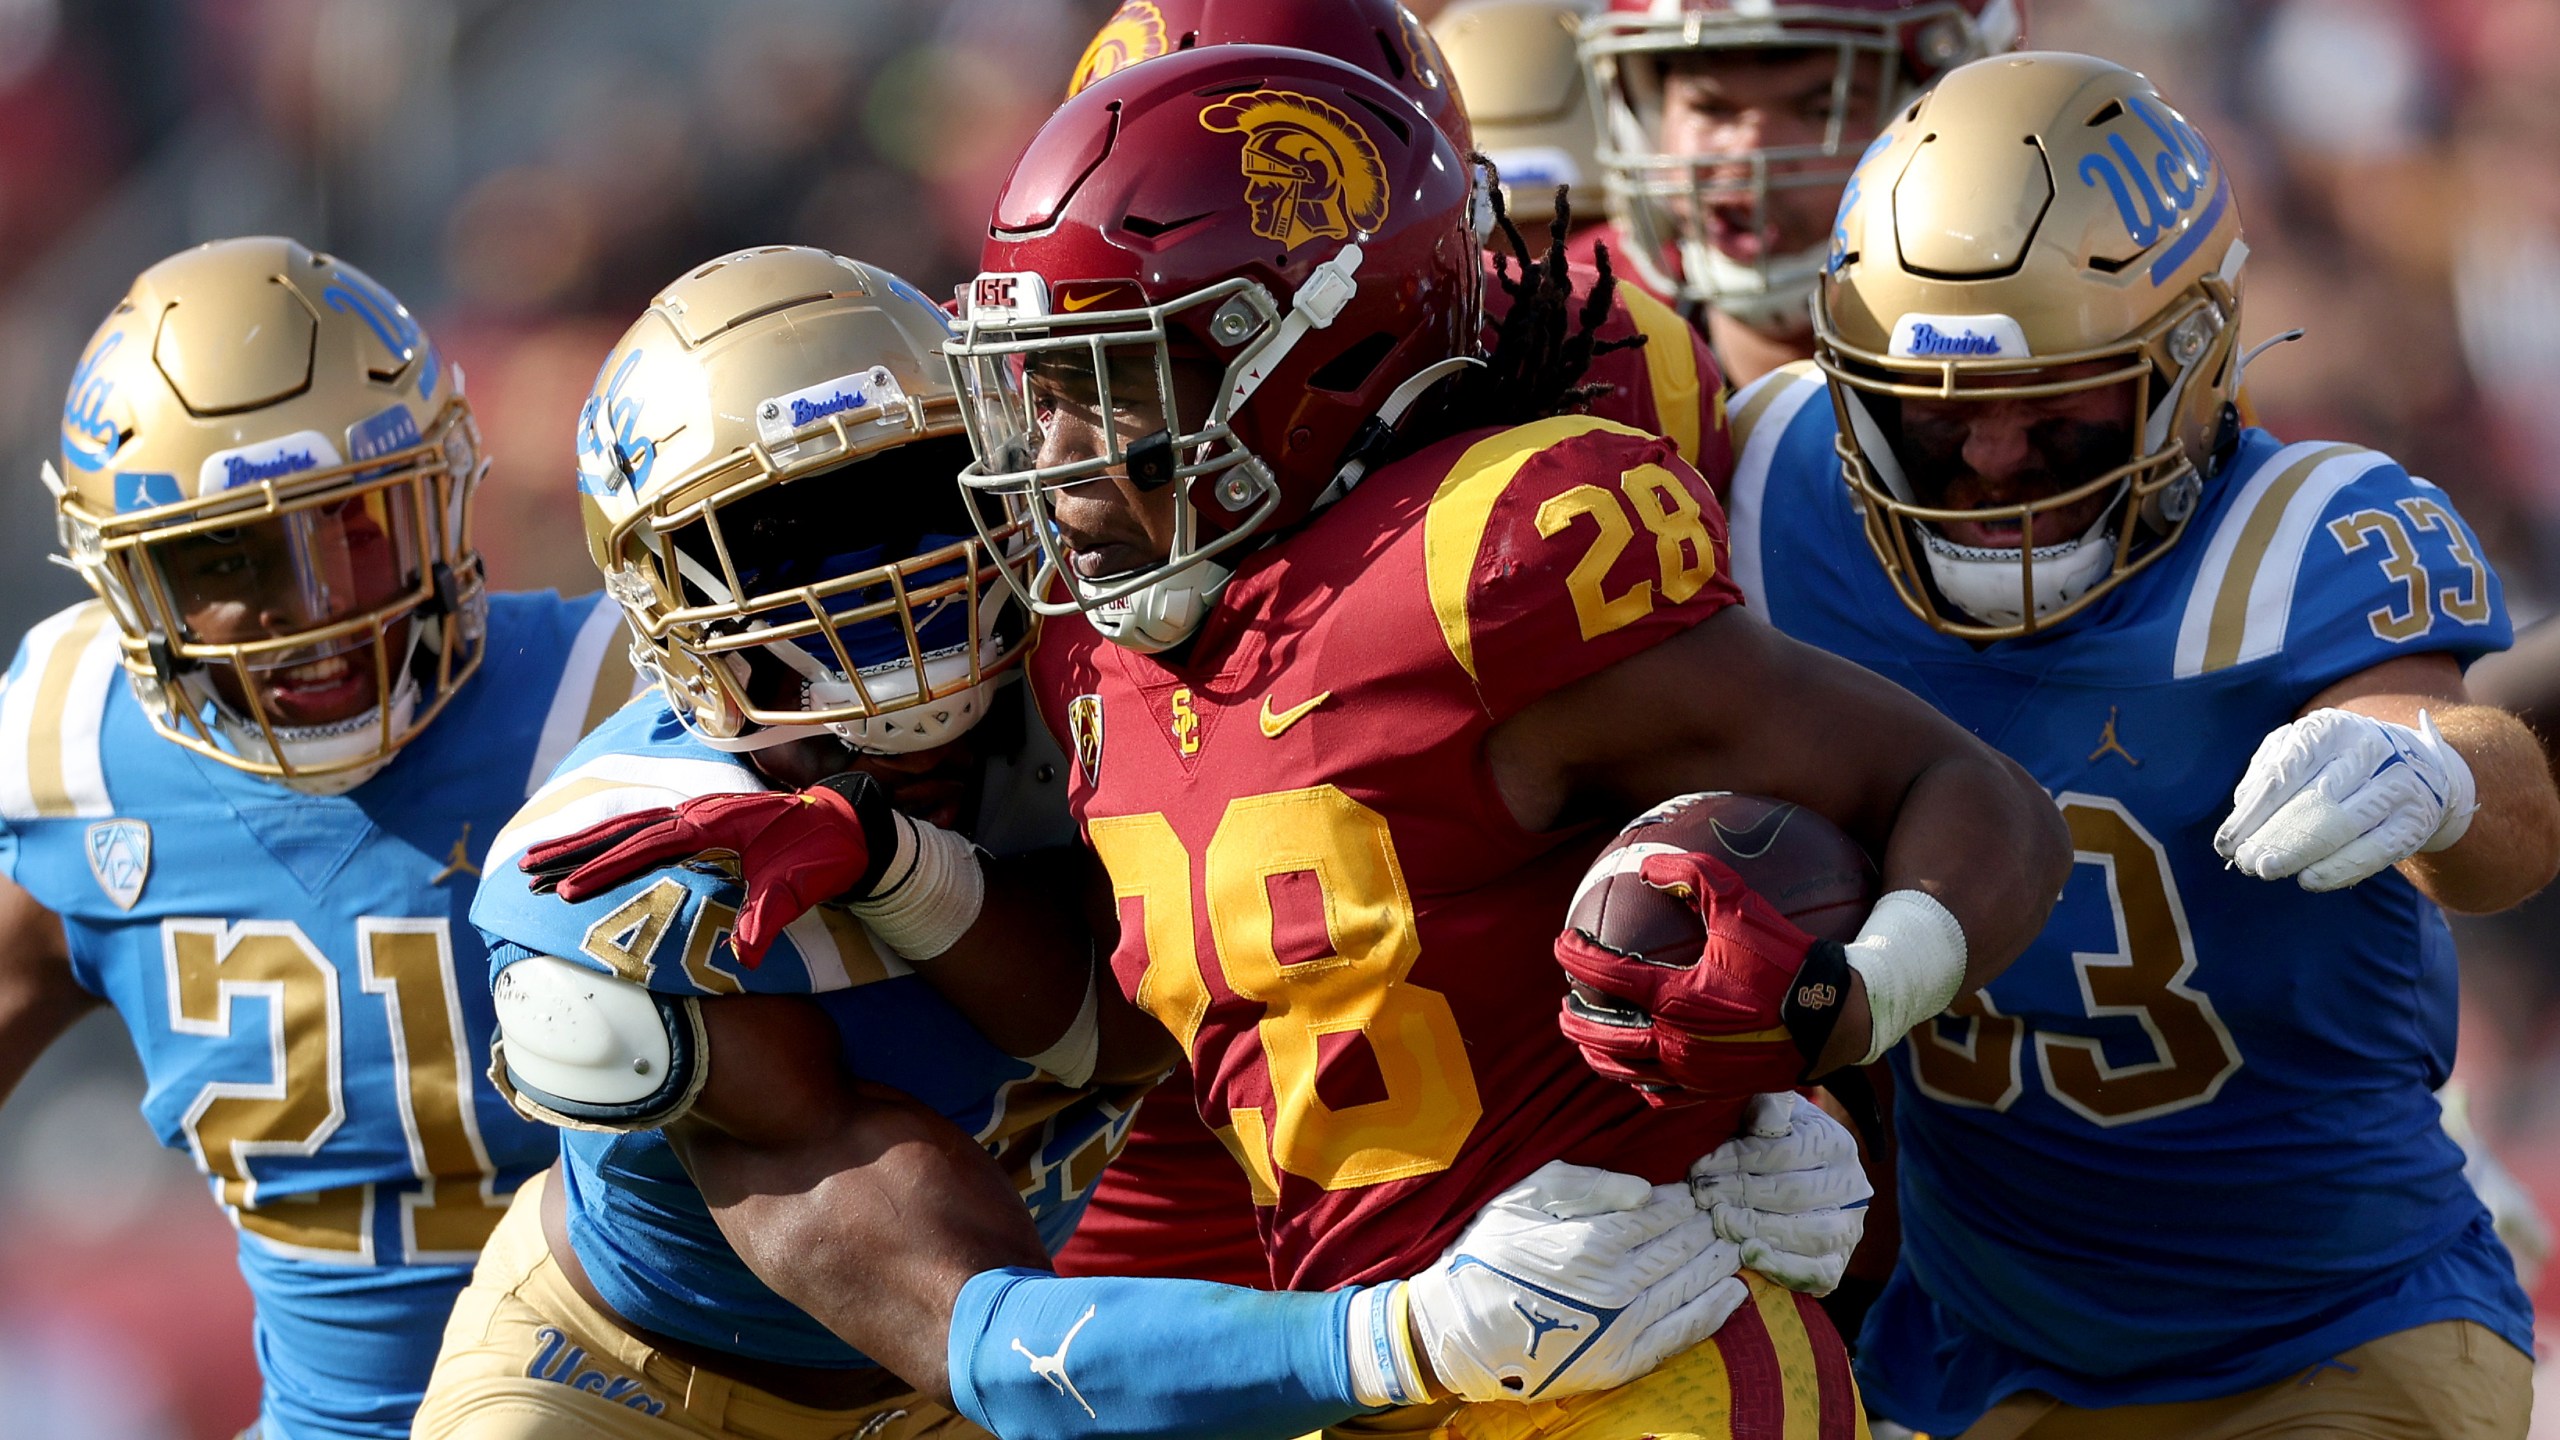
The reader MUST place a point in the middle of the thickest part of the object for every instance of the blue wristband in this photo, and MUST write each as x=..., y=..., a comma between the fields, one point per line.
x=1032, y=1354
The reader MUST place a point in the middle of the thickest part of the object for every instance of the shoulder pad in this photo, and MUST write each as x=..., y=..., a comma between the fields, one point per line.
x=1765, y=413
x=2336, y=558
x=592, y=1052
x=1552, y=550
x=52, y=707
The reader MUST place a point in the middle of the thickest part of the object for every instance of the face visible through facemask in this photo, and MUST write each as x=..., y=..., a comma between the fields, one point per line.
x=1108, y=525
x=1726, y=105
x=1994, y=453
x=277, y=577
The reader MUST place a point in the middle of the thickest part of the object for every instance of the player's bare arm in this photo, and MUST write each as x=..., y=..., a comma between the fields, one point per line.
x=38, y=996
x=2470, y=860
x=857, y=1204
x=1731, y=704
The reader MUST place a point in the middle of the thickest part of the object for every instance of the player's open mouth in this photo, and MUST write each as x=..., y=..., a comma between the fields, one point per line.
x=317, y=692
x=1738, y=232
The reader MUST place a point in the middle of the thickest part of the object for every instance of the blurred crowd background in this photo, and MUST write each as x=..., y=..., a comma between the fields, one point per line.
x=525, y=173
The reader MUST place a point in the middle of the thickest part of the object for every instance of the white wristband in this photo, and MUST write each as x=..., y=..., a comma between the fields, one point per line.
x=1911, y=953
x=1384, y=1370
x=930, y=894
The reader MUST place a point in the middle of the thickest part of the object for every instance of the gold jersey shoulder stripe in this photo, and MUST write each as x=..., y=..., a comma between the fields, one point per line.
x=1671, y=363
x=51, y=717
x=1753, y=400
x=1453, y=528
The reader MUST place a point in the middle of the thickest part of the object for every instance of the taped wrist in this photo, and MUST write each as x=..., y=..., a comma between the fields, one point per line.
x=1911, y=953
x=927, y=893
x=1081, y=1358
x=1384, y=1368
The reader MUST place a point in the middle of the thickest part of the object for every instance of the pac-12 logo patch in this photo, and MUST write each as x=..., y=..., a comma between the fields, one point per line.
x=1134, y=32
x=1084, y=726
x=120, y=856
x=1310, y=171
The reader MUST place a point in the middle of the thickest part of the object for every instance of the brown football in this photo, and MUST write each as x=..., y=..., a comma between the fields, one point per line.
x=1793, y=858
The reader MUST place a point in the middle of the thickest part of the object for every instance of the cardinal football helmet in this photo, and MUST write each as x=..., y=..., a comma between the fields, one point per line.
x=1664, y=200
x=1277, y=217
x=1379, y=36
x=266, y=473
x=1969, y=266
x=765, y=468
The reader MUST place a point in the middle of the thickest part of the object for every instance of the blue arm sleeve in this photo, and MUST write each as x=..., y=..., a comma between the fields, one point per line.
x=1064, y=1359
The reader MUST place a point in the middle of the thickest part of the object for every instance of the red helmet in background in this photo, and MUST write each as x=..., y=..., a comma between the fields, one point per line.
x=1686, y=215
x=1379, y=36
x=1285, y=222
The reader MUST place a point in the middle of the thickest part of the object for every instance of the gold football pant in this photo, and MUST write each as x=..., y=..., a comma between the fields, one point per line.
x=1776, y=1371
x=525, y=1358
x=2453, y=1380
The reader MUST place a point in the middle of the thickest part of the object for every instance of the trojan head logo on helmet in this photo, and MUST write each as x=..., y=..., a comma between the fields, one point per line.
x=764, y=467
x=1265, y=254
x=1379, y=36
x=1311, y=172
x=266, y=473
x=2087, y=279
x=1728, y=126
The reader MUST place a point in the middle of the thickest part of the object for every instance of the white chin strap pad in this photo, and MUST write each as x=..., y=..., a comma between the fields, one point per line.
x=594, y=1052
x=1985, y=583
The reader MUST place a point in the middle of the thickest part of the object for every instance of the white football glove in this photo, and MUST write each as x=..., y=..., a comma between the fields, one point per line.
x=1789, y=1190
x=1574, y=1280
x=2336, y=797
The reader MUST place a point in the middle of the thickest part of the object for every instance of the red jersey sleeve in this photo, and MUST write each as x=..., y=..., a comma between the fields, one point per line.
x=1555, y=549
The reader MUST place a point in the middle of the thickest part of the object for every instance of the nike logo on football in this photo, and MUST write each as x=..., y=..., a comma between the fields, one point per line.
x=1273, y=722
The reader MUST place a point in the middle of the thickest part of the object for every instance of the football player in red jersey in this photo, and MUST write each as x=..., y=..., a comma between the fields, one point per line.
x=1728, y=131
x=1343, y=746
x=1173, y=1202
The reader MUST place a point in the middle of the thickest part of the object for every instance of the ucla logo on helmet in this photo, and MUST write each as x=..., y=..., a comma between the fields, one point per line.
x=2168, y=184
x=90, y=438
x=1958, y=337
x=1310, y=171
x=120, y=858
x=611, y=453
x=352, y=292
x=1134, y=32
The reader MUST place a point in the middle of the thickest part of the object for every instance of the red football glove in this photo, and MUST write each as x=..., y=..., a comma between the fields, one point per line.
x=796, y=849
x=1734, y=1023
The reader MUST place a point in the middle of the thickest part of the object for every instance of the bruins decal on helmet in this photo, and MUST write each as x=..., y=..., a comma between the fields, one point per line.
x=1311, y=172
x=1134, y=32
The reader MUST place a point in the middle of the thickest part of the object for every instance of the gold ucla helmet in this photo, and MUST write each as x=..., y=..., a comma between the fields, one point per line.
x=1741, y=229
x=2037, y=225
x=1516, y=71
x=766, y=468
x=266, y=473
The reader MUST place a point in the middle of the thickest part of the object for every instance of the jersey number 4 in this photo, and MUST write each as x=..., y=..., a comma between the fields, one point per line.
x=1293, y=837
x=409, y=963
x=1974, y=1056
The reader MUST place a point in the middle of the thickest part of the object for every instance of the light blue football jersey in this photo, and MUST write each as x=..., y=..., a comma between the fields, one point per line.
x=639, y=1226
x=2187, y=1144
x=302, y=982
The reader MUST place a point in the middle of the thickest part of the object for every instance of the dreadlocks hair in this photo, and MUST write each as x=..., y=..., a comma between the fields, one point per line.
x=1543, y=346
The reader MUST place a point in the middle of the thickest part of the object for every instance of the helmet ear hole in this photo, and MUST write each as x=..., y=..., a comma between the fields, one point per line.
x=1349, y=370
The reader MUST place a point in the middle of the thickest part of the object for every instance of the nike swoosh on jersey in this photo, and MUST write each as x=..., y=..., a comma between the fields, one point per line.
x=1274, y=723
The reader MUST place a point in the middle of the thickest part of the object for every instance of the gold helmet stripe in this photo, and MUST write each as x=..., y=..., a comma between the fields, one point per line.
x=52, y=715
x=1670, y=364
x=2242, y=602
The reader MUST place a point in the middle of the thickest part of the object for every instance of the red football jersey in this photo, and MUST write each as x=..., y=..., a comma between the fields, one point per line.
x=1323, y=895
x=1173, y=1202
